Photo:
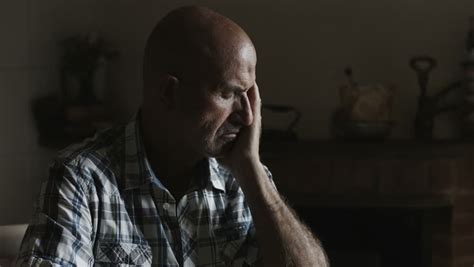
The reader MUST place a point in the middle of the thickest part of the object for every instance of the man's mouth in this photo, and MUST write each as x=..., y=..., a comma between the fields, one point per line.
x=230, y=135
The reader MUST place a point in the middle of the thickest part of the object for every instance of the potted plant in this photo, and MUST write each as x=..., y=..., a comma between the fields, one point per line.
x=82, y=56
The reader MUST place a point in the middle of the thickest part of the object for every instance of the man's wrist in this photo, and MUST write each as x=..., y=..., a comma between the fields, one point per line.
x=247, y=166
x=257, y=186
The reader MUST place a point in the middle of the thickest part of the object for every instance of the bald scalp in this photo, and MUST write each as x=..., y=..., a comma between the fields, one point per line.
x=191, y=43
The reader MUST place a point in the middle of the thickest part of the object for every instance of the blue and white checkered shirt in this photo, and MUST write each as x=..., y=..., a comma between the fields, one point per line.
x=103, y=205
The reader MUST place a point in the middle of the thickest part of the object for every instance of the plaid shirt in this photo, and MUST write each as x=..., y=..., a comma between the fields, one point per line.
x=103, y=205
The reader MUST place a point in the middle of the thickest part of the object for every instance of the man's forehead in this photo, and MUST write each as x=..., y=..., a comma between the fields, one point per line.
x=238, y=85
x=238, y=81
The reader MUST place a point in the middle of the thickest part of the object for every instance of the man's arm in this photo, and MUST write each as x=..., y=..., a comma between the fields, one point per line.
x=283, y=238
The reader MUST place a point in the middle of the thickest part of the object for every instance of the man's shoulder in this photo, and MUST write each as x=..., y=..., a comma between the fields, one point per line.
x=98, y=154
x=103, y=144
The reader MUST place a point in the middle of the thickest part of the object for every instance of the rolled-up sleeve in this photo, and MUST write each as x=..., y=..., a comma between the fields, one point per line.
x=61, y=231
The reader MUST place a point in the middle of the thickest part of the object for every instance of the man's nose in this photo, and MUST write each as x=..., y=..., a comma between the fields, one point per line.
x=242, y=113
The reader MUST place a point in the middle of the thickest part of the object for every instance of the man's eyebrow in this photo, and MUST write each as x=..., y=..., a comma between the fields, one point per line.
x=233, y=87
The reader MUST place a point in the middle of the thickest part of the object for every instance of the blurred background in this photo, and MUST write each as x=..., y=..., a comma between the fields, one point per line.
x=303, y=49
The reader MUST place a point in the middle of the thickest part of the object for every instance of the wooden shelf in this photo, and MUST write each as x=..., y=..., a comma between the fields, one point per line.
x=368, y=201
x=386, y=149
x=391, y=174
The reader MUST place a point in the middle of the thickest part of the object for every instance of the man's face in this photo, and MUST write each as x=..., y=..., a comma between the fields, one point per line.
x=216, y=111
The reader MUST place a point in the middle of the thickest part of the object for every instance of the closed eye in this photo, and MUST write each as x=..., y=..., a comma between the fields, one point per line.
x=227, y=94
x=232, y=91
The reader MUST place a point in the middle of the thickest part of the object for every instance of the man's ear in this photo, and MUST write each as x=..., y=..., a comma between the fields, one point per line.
x=168, y=87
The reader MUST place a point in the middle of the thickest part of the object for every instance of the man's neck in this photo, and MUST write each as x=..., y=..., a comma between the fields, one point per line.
x=176, y=178
x=173, y=167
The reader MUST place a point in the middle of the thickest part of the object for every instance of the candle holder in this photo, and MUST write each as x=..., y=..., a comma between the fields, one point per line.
x=429, y=106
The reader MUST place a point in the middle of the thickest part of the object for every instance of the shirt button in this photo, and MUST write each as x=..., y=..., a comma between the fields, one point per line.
x=166, y=206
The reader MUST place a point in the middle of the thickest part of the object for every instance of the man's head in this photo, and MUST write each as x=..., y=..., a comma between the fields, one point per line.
x=198, y=66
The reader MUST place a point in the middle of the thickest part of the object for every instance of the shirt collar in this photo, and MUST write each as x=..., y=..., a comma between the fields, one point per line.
x=138, y=170
x=215, y=174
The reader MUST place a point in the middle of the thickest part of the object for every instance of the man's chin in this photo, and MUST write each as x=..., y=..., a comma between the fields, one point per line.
x=220, y=150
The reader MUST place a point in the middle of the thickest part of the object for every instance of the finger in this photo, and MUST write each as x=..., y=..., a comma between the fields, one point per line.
x=257, y=125
x=257, y=101
x=254, y=96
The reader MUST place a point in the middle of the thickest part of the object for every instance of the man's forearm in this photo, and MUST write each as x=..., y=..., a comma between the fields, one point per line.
x=284, y=239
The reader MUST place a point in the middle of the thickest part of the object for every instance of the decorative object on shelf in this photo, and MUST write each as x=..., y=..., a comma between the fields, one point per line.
x=281, y=135
x=79, y=109
x=461, y=91
x=365, y=111
x=467, y=121
x=83, y=63
x=430, y=106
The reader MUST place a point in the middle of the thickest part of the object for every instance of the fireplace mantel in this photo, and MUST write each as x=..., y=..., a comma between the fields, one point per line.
x=401, y=174
x=370, y=201
x=386, y=149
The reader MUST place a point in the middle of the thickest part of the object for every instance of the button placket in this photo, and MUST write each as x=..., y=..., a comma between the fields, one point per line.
x=170, y=210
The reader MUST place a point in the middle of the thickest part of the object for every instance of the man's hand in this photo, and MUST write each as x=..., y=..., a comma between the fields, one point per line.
x=246, y=147
x=284, y=240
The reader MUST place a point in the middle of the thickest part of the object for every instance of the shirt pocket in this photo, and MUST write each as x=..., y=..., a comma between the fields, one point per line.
x=123, y=253
x=230, y=239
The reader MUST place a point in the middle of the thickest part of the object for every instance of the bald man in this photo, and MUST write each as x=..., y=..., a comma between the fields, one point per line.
x=182, y=183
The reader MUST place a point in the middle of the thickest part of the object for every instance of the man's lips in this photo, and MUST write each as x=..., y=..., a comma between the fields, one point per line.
x=230, y=135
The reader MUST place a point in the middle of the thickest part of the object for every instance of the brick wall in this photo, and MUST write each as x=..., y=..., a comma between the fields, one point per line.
x=425, y=178
x=463, y=213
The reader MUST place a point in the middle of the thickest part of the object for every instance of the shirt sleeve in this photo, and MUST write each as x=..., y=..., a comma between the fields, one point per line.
x=249, y=253
x=61, y=231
